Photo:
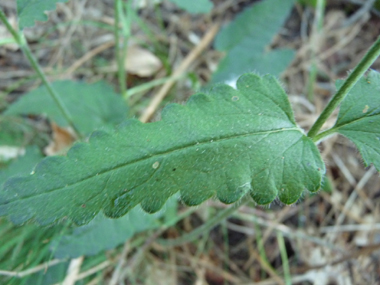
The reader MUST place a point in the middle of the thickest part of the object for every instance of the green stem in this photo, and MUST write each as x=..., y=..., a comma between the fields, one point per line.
x=317, y=29
x=324, y=134
x=7, y=41
x=284, y=258
x=372, y=54
x=9, y=27
x=120, y=49
x=127, y=34
x=149, y=85
x=201, y=229
x=21, y=41
x=226, y=248
x=260, y=245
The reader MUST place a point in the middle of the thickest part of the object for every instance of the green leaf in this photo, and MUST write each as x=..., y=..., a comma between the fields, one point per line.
x=225, y=144
x=12, y=131
x=247, y=38
x=359, y=117
x=11, y=134
x=29, y=11
x=265, y=63
x=312, y=3
x=377, y=5
x=103, y=233
x=51, y=275
x=194, y=6
x=22, y=165
x=28, y=240
x=92, y=106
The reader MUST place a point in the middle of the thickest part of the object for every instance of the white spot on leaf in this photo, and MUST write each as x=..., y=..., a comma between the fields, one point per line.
x=156, y=165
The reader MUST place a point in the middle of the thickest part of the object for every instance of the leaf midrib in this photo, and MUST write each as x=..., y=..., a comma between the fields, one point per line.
x=169, y=151
x=336, y=128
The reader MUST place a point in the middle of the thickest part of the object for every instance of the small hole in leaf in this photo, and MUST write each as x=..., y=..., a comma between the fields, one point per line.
x=235, y=98
x=174, y=169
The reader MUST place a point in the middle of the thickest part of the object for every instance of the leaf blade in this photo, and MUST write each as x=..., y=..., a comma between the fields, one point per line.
x=29, y=11
x=246, y=41
x=21, y=165
x=226, y=144
x=102, y=234
x=359, y=118
x=194, y=7
x=92, y=106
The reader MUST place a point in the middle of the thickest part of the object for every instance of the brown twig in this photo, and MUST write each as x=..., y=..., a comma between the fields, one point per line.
x=149, y=111
x=122, y=260
x=73, y=271
x=88, y=56
x=367, y=250
x=27, y=272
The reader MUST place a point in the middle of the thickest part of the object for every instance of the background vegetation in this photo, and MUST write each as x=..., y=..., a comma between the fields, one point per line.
x=168, y=50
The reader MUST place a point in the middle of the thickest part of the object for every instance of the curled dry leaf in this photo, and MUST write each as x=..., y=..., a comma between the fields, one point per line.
x=62, y=140
x=141, y=61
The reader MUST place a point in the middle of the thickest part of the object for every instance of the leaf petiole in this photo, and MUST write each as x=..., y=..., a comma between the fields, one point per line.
x=21, y=41
x=324, y=134
x=372, y=54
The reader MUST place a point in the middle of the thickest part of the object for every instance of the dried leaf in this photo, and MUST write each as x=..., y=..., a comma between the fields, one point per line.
x=142, y=62
x=62, y=139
